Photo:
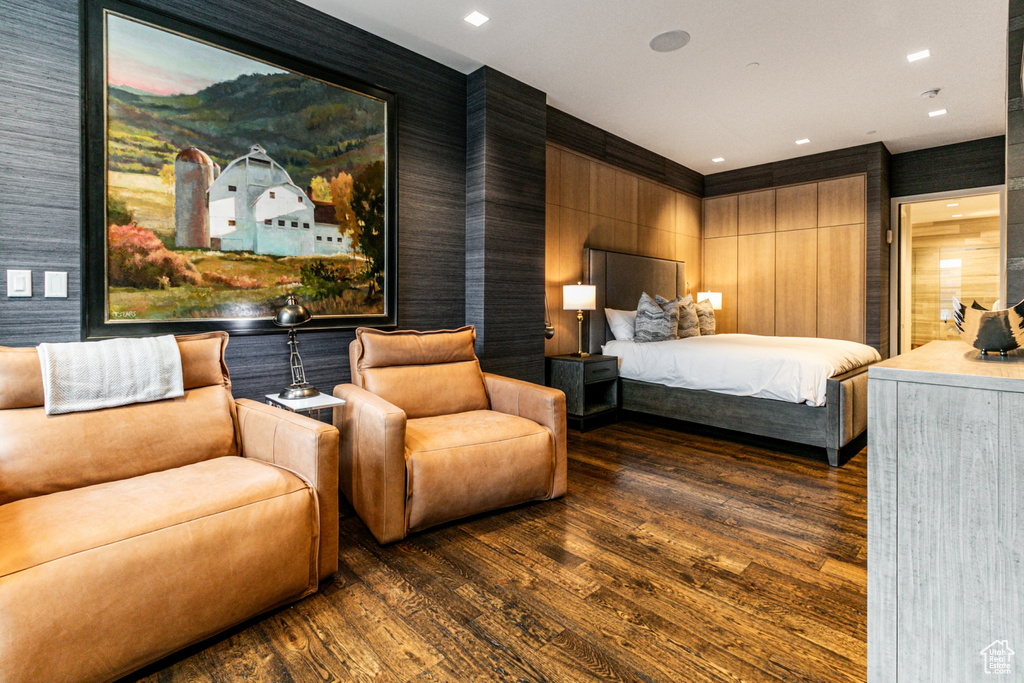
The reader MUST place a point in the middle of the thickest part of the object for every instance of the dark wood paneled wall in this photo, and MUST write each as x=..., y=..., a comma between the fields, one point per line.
x=39, y=178
x=505, y=186
x=977, y=163
x=579, y=136
x=874, y=160
x=1014, y=157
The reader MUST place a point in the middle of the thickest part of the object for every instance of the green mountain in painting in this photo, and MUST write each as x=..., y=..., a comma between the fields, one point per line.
x=307, y=126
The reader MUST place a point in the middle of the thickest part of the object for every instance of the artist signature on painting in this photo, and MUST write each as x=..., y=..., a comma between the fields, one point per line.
x=123, y=315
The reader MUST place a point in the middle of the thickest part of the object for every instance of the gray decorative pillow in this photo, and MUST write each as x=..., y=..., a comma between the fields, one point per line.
x=689, y=325
x=654, y=323
x=666, y=306
x=705, y=317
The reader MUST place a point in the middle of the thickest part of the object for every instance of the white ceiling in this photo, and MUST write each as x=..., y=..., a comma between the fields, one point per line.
x=939, y=210
x=830, y=70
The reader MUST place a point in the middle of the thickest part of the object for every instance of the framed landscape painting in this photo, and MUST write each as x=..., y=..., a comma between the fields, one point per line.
x=219, y=177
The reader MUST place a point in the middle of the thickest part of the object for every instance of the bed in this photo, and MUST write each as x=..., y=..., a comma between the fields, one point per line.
x=620, y=279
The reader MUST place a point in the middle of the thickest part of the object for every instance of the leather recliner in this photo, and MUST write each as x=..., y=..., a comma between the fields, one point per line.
x=129, y=533
x=427, y=438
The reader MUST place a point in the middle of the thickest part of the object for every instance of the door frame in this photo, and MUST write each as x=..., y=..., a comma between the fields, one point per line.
x=896, y=238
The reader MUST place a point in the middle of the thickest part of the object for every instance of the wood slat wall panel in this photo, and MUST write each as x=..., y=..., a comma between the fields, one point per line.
x=755, y=284
x=841, y=298
x=755, y=212
x=796, y=283
x=720, y=276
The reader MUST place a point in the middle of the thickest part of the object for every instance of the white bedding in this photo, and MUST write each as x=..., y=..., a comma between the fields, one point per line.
x=794, y=369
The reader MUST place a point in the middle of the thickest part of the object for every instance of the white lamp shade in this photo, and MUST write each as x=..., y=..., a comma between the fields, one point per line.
x=579, y=297
x=714, y=297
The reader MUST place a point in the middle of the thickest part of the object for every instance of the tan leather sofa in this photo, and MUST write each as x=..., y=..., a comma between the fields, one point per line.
x=426, y=437
x=129, y=533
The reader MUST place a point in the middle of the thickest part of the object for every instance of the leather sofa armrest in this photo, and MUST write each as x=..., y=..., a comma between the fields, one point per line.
x=372, y=460
x=543, y=405
x=305, y=446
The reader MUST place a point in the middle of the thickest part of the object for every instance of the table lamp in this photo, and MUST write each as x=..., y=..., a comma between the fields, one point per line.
x=579, y=297
x=714, y=297
x=291, y=315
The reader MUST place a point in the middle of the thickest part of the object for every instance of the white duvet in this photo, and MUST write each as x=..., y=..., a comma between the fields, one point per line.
x=794, y=369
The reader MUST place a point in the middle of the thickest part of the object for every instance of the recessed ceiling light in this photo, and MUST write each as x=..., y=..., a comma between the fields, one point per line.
x=937, y=112
x=803, y=142
x=950, y=206
x=958, y=215
x=669, y=41
x=718, y=160
x=919, y=55
x=477, y=19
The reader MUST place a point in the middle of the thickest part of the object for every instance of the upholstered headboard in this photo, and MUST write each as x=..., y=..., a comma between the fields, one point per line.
x=620, y=279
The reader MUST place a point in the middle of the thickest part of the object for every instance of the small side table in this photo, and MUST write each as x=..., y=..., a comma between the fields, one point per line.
x=311, y=405
x=591, y=387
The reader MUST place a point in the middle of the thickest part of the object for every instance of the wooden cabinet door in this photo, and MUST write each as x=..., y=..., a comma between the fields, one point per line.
x=720, y=276
x=796, y=283
x=755, y=284
x=720, y=216
x=841, y=201
x=841, y=282
x=755, y=212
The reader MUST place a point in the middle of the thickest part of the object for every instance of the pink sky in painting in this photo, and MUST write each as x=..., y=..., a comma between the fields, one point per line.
x=129, y=72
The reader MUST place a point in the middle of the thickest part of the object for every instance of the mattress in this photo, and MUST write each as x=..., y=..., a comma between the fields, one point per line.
x=794, y=369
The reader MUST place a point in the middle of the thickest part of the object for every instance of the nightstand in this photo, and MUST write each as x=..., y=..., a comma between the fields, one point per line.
x=305, y=405
x=591, y=387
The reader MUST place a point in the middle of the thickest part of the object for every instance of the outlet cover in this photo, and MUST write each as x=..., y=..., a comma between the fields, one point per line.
x=55, y=284
x=19, y=283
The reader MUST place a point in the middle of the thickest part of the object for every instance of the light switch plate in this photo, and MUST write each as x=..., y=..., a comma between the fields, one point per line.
x=55, y=284
x=19, y=283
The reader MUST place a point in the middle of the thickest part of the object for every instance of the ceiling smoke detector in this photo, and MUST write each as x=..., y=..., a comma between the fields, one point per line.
x=929, y=94
x=669, y=41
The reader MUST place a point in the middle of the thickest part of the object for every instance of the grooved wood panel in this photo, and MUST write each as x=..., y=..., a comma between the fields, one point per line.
x=796, y=207
x=841, y=201
x=796, y=283
x=841, y=282
x=613, y=201
x=688, y=215
x=505, y=189
x=552, y=175
x=961, y=166
x=40, y=140
x=579, y=136
x=720, y=217
x=656, y=206
x=882, y=539
x=755, y=284
x=720, y=276
x=755, y=212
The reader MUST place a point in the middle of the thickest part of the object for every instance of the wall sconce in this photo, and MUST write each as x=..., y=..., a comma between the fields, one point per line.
x=579, y=297
x=714, y=297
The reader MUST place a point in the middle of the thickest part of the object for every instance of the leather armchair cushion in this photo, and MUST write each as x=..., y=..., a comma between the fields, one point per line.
x=380, y=349
x=429, y=390
x=465, y=463
x=165, y=560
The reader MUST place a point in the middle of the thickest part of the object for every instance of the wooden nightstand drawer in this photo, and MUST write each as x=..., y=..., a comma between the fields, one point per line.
x=600, y=371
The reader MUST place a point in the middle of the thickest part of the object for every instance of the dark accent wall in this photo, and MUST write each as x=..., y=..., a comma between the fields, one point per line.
x=1014, y=157
x=962, y=166
x=873, y=160
x=40, y=175
x=505, y=184
x=579, y=136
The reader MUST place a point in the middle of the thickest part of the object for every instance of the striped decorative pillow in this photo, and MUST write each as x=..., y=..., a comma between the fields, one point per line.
x=706, y=317
x=655, y=323
x=689, y=325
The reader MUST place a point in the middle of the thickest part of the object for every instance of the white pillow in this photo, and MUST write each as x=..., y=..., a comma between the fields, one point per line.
x=622, y=323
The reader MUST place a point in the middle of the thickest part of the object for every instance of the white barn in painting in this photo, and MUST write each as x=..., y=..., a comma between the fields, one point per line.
x=255, y=206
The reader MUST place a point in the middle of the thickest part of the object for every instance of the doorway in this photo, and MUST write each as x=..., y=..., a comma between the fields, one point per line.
x=946, y=245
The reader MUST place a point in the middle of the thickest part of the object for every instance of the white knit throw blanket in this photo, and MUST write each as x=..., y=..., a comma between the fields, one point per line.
x=81, y=376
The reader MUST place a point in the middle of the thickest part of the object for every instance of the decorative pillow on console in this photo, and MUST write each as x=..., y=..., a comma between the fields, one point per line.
x=689, y=325
x=705, y=317
x=654, y=322
x=621, y=323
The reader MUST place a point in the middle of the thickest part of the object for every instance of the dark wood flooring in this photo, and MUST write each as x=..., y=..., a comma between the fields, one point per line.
x=674, y=557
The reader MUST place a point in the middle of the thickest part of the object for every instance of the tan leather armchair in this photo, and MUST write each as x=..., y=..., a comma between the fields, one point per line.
x=129, y=533
x=426, y=437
